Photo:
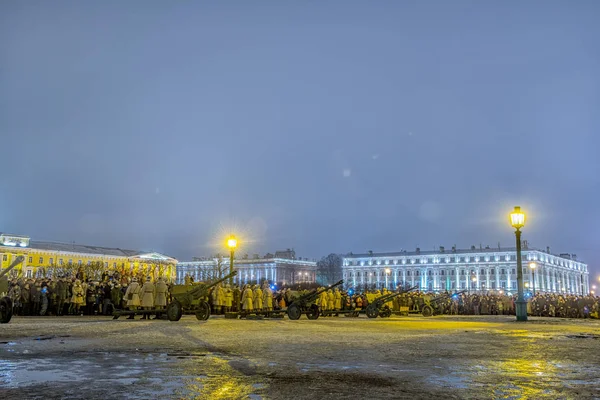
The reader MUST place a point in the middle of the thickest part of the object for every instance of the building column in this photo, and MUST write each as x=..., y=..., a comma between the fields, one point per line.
x=457, y=279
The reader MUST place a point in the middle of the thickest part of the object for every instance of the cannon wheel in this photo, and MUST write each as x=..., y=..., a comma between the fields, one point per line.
x=203, y=311
x=6, y=310
x=294, y=312
x=174, y=311
x=372, y=311
x=427, y=311
x=313, y=312
x=385, y=313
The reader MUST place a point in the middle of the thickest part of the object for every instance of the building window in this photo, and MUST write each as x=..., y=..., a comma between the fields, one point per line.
x=417, y=273
x=28, y=273
x=51, y=261
x=105, y=264
x=60, y=261
x=89, y=263
x=503, y=285
x=514, y=271
x=503, y=271
x=30, y=260
x=41, y=260
x=482, y=272
x=452, y=272
x=443, y=272
x=492, y=271
x=493, y=285
x=70, y=261
x=114, y=265
x=407, y=273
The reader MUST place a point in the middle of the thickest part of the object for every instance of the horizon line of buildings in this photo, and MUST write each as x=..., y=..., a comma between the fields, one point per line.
x=478, y=269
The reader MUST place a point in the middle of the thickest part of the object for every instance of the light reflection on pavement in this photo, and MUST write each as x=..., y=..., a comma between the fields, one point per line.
x=224, y=359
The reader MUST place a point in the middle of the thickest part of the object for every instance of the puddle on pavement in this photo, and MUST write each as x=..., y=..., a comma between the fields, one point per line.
x=139, y=375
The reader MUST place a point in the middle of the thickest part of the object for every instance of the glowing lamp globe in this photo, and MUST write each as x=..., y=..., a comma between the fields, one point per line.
x=517, y=218
x=232, y=242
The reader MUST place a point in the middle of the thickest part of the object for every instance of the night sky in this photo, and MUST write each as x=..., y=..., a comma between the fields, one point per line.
x=331, y=126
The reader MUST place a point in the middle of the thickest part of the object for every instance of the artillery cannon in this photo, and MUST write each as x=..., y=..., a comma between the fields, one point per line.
x=305, y=303
x=6, y=304
x=378, y=308
x=429, y=309
x=192, y=300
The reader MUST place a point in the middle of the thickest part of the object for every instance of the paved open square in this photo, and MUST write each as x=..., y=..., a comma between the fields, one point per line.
x=399, y=357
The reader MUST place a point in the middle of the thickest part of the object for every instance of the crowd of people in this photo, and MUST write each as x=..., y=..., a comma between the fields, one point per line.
x=79, y=296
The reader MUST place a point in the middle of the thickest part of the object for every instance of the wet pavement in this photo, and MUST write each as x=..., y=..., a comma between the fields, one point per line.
x=399, y=357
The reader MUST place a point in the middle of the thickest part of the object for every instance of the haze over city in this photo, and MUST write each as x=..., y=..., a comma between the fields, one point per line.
x=327, y=127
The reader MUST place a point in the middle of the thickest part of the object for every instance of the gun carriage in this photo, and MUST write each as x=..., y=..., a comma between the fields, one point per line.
x=378, y=307
x=305, y=304
x=432, y=308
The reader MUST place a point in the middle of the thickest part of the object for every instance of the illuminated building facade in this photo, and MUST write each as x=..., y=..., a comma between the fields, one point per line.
x=482, y=270
x=52, y=258
x=278, y=268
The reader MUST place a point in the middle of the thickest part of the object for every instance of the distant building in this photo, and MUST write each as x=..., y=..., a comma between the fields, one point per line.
x=281, y=268
x=480, y=269
x=44, y=258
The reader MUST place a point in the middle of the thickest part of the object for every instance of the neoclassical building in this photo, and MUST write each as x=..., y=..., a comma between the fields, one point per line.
x=479, y=269
x=280, y=268
x=52, y=258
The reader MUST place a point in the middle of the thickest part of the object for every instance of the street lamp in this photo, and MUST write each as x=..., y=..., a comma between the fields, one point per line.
x=387, y=272
x=517, y=220
x=474, y=280
x=232, y=244
x=532, y=266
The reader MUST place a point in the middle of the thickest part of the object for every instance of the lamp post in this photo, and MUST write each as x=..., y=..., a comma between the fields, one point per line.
x=532, y=266
x=517, y=220
x=232, y=244
x=387, y=272
x=474, y=280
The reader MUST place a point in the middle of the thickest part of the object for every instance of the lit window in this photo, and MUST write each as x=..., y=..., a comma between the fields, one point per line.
x=70, y=261
x=51, y=261
x=41, y=260
x=60, y=261
x=79, y=262
x=30, y=260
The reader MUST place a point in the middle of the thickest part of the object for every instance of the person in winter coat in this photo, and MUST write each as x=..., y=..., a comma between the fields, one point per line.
x=247, y=295
x=147, y=294
x=228, y=298
x=132, y=296
x=337, y=299
x=61, y=295
x=267, y=298
x=323, y=299
x=258, y=298
x=78, y=298
x=160, y=300
x=330, y=300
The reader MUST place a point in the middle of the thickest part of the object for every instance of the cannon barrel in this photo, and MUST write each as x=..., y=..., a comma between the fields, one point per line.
x=387, y=297
x=17, y=261
x=312, y=295
x=202, y=290
x=445, y=296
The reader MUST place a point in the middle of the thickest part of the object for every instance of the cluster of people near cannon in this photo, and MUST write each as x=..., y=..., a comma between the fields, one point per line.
x=79, y=296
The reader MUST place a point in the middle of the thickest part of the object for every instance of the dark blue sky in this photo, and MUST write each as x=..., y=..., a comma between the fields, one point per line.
x=325, y=126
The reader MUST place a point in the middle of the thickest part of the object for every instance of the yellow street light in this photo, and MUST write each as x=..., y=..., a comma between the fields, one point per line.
x=517, y=218
x=532, y=265
x=526, y=284
x=232, y=242
x=387, y=270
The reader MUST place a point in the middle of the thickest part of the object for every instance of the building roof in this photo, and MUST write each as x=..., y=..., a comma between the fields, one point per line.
x=450, y=252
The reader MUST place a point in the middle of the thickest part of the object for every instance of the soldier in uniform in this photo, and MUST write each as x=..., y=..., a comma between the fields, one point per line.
x=61, y=295
x=78, y=298
x=228, y=298
x=247, y=296
x=147, y=294
x=237, y=298
x=258, y=298
x=160, y=298
x=267, y=297
x=132, y=296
